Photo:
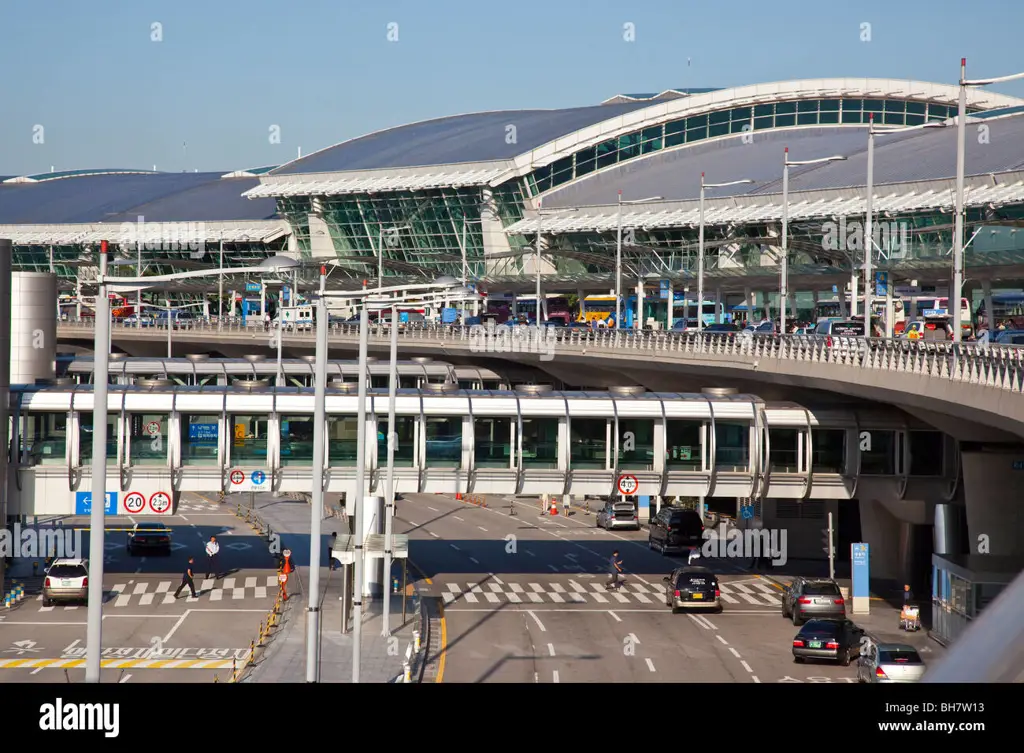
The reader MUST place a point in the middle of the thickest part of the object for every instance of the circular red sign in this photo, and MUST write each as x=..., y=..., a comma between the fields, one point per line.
x=153, y=427
x=134, y=502
x=237, y=477
x=160, y=502
x=628, y=485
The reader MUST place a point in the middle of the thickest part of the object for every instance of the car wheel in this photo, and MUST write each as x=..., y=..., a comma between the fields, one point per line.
x=798, y=659
x=796, y=619
x=718, y=609
x=674, y=610
x=46, y=602
x=845, y=661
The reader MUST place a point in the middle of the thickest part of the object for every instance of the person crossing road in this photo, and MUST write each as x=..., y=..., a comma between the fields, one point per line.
x=212, y=558
x=614, y=571
x=187, y=579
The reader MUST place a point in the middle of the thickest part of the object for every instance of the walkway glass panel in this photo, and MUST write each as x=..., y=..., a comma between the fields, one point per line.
x=492, y=442
x=444, y=442
x=147, y=438
x=405, y=442
x=199, y=436
x=45, y=438
x=683, y=446
x=540, y=443
x=248, y=439
x=828, y=450
x=636, y=444
x=880, y=459
x=588, y=448
x=732, y=446
x=342, y=440
x=297, y=440
x=784, y=450
x=927, y=453
x=85, y=436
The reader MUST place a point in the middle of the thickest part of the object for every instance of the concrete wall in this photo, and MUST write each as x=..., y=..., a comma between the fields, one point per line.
x=804, y=535
x=995, y=500
x=881, y=530
x=33, y=326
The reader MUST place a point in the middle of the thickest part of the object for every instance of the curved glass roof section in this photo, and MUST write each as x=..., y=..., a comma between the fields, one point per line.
x=667, y=94
x=122, y=197
x=74, y=174
x=477, y=137
x=915, y=156
x=736, y=120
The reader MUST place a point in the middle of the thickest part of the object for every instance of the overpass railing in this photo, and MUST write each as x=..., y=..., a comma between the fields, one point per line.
x=1000, y=367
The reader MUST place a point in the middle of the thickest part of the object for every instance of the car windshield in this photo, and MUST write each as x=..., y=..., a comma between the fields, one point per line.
x=899, y=656
x=67, y=571
x=697, y=580
x=821, y=589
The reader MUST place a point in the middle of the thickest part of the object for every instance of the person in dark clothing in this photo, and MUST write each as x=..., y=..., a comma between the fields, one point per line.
x=186, y=579
x=330, y=550
x=614, y=571
x=908, y=595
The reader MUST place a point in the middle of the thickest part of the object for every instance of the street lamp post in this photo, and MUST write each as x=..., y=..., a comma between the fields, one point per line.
x=94, y=619
x=618, y=253
x=784, y=272
x=700, y=248
x=389, y=484
x=540, y=216
x=317, y=501
x=869, y=238
x=958, y=224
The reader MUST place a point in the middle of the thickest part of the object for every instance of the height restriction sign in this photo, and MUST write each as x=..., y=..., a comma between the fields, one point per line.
x=628, y=485
x=237, y=477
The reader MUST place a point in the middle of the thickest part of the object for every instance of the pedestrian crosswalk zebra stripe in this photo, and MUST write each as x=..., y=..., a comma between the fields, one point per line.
x=144, y=593
x=754, y=594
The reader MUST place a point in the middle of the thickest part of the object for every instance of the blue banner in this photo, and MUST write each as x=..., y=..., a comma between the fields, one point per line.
x=202, y=432
x=881, y=284
x=83, y=503
x=252, y=287
x=448, y=316
x=859, y=555
x=664, y=290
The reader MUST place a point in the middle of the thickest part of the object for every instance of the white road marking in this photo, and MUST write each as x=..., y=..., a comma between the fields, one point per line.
x=754, y=678
x=650, y=665
x=555, y=678
x=537, y=620
x=492, y=597
x=537, y=587
x=36, y=671
x=746, y=666
x=632, y=637
x=734, y=652
x=124, y=679
x=495, y=578
x=185, y=519
x=536, y=677
x=551, y=649
x=724, y=642
x=516, y=588
x=432, y=509
x=482, y=529
x=455, y=547
x=433, y=534
x=412, y=523
x=474, y=560
x=167, y=638
x=495, y=587
x=459, y=519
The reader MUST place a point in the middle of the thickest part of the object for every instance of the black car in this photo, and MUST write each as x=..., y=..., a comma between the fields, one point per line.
x=676, y=530
x=149, y=537
x=692, y=587
x=829, y=640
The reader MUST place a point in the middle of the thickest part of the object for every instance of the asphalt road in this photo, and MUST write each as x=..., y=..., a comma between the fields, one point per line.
x=524, y=601
x=148, y=635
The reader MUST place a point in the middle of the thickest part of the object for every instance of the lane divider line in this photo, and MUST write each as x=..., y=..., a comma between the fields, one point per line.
x=537, y=620
x=650, y=665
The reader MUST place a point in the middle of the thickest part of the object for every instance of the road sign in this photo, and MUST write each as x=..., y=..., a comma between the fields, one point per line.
x=83, y=503
x=134, y=502
x=860, y=557
x=282, y=578
x=153, y=428
x=160, y=502
x=747, y=512
x=258, y=478
x=237, y=477
x=628, y=485
x=253, y=287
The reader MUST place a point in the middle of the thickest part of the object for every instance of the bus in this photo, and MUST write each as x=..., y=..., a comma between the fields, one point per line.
x=558, y=309
x=599, y=309
x=1007, y=307
x=120, y=308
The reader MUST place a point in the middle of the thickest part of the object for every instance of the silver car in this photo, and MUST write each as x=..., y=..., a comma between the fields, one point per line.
x=66, y=580
x=618, y=515
x=890, y=663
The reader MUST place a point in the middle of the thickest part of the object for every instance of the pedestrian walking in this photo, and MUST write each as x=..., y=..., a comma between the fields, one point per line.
x=266, y=322
x=212, y=558
x=565, y=505
x=330, y=550
x=614, y=571
x=186, y=579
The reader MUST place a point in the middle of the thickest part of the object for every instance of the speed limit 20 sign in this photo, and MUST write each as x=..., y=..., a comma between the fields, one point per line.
x=628, y=485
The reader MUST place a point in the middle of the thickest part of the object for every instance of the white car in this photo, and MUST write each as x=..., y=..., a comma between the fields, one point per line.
x=66, y=580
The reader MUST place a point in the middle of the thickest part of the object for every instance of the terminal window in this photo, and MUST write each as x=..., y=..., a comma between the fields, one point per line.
x=44, y=438
x=85, y=435
x=199, y=439
x=147, y=438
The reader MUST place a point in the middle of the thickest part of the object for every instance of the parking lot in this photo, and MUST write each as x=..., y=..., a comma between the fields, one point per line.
x=148, y=634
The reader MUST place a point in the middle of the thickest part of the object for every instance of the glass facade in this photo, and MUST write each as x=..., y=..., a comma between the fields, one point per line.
x=405, y=442
x=540, y=443
x=492, y=442
x=588, y=445
x=444, y=442
x=732, y=446
x=636, y=444
x=683, y=451
x=828, y=450
x=784, y=450
x=85, y=437
x=147, y=438
x=342, y=439
x=880, y=459
x=736, y=120
x=248, y=439
x=296, y=440
x=44, y=438
x=199, y=437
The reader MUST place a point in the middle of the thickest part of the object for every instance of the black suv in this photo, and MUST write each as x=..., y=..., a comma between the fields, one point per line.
x=676, y=530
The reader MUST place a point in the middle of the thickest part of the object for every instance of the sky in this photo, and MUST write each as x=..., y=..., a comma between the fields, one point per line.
x=234, y=84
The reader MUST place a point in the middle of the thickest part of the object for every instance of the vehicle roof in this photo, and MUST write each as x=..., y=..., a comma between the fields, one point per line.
x=694, y=569
x=895, y=647
x=150, y=524
x=69, y=561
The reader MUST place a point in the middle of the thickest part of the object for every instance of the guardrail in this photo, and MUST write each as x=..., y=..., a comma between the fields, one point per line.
x=997, y=366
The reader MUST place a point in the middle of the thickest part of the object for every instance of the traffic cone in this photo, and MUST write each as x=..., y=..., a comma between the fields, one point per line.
x=554, y=507
x=458, y=496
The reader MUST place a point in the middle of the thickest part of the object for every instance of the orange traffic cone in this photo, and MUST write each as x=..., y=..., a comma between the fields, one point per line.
x=458, y=496
x=554, y=507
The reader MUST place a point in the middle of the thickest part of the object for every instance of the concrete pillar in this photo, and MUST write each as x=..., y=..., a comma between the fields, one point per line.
x=749, y=302
x=995, y=518
x=373, y=522
x=670, y=318
x=639, y=305
x=854, y=294
x=33, y=326
x=6, y=254
x=986, y=289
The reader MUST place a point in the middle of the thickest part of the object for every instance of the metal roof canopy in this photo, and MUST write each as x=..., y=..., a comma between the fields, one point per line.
x=148, y=233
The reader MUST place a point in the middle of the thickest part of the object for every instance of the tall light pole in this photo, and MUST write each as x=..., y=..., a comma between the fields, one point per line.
x=97, y=525
x=958, y=224
x=700, y=247
x=282, y=265
x=389, y=484
x=317, y=501
x=784, y=272
x=869, y=238
x=618, y=253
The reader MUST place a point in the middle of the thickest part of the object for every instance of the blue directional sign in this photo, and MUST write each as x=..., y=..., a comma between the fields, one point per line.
x=664, y=290
x=449, y=315
x=252, y=287
x=881, y=284
x=859, y=555
x=258, y=477
x=83, y=503
x=747, y=512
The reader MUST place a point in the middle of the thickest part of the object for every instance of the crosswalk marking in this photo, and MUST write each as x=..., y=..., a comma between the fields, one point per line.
x=250, y=582
x=122, y=600
x=163, y=587
x=261, y=592
x=216, y=595
x=757, y=594
x=208, y=584
x=238, y=593
x=229, y=583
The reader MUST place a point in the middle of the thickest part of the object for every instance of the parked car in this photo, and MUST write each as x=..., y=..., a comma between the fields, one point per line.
x=675, y=530
x=890, y=663
x=66, y=580
x=618, y=515
x=837, y=640
x=149, y=537
x=807, y=598
x=692, y=587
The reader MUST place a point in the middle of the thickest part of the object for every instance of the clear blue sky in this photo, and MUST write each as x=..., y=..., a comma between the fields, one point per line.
x=324, y=70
